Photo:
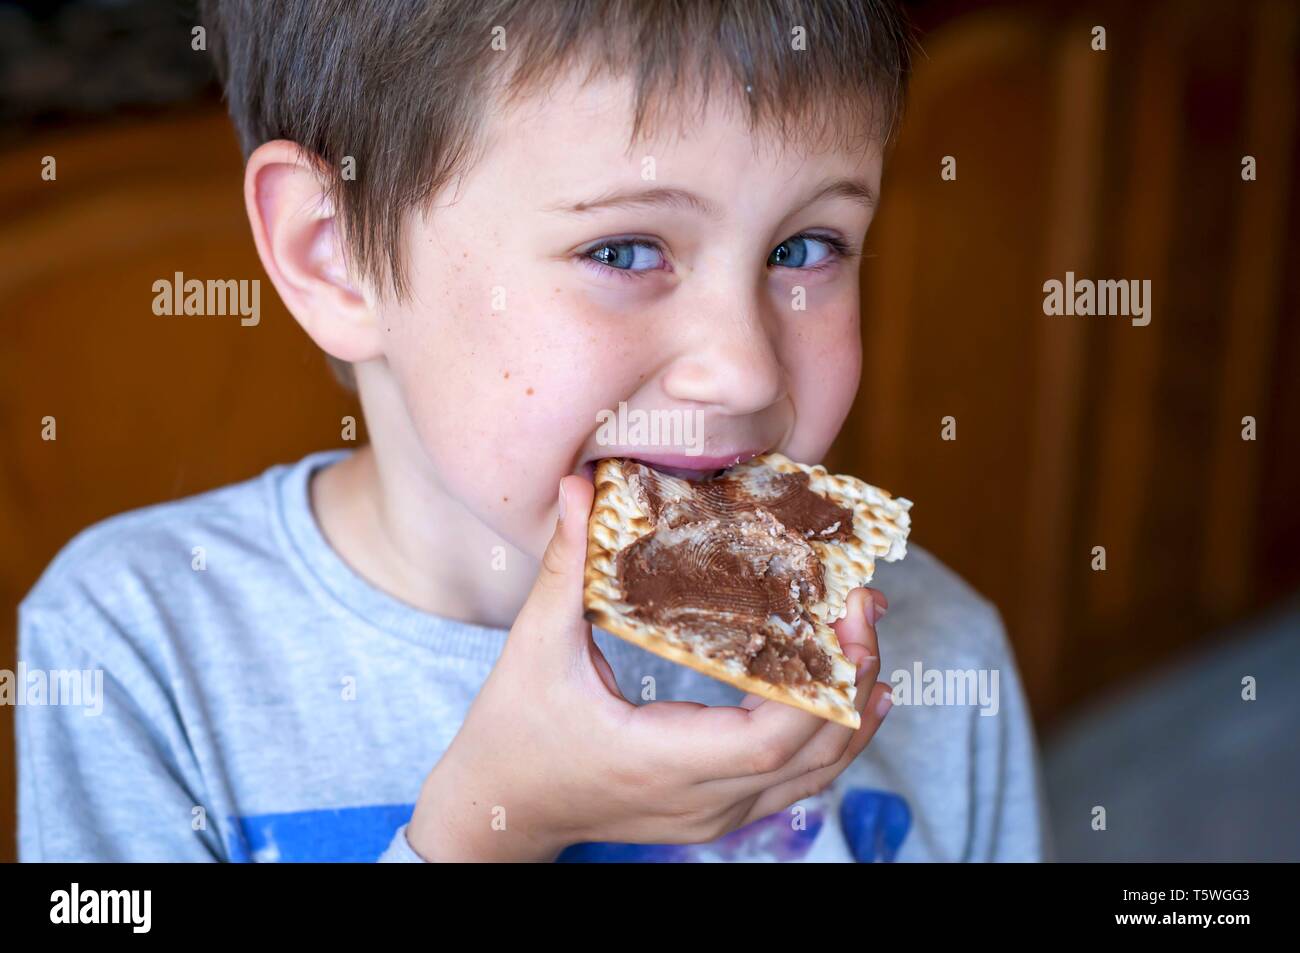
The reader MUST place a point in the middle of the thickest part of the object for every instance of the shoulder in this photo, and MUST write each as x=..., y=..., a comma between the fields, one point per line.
x=124, y=571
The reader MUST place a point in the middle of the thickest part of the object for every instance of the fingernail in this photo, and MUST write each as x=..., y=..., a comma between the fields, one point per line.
x=561, y=499
x=863, y=662
x=881, y=612
x=869, y=610
x=886, y=702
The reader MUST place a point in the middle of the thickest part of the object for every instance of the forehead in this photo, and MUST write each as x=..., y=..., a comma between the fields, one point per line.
x=579, y=132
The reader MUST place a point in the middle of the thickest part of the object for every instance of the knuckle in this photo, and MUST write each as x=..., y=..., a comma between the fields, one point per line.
x=827, y=757
x=712, y=827
x=634, y=775
x=696, y=835
x=788, y=799
x=721, y=827
x=813, y=786
x=553, y=561
x=766, y=759
x=693, y=826
x=810, y=785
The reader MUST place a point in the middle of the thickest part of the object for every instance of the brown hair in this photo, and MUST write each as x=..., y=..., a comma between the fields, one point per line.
x=403, y=86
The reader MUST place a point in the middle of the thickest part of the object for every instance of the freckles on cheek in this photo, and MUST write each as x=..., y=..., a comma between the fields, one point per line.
x=832, y=342
x=830, y=364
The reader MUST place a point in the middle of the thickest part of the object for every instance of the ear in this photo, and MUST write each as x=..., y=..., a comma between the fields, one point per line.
x=298, y=239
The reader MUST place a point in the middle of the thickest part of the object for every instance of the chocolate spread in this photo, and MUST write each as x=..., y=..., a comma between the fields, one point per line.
x=729, y=562
x=671, y=501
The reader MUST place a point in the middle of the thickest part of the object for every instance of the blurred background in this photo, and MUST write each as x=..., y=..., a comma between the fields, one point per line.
x=1072, y=432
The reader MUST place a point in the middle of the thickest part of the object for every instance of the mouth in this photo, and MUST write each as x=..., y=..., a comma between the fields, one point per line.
x=681, y=466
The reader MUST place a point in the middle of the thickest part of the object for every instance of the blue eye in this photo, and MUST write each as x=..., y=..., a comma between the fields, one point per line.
x=806, y=251
x=635, y=258
x=627, y=256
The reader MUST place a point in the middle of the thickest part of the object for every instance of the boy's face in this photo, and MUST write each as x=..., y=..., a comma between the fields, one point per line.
x=529, y=318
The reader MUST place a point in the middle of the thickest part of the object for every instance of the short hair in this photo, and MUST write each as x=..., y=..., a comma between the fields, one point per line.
x=402, y=87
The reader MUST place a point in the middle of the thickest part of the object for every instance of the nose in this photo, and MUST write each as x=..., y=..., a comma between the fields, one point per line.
x=732, y=363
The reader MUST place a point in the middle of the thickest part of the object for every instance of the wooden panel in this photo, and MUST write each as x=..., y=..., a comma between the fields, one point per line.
x=1228, y=567
x=1056, y=400
x=1130, y=355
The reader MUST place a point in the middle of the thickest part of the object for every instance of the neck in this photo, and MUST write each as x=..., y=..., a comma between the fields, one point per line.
x=405, y=536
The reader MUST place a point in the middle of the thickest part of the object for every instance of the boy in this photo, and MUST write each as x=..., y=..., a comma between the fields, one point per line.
x=501, y=219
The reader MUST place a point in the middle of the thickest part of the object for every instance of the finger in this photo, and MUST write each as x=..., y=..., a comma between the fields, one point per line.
x=603, y=667
x=856, y=632
x=857, y=636
x=882, y=604
x=552, y=615
x=745, y=743
x=827, y=747
x=693, y=737
x=712, y=743
x=775, y=732
x=720, y=744
x=780, y=796
x=735, y=749
x=863, y=603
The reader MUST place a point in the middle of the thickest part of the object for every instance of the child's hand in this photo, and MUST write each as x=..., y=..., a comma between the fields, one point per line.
x=551, y=754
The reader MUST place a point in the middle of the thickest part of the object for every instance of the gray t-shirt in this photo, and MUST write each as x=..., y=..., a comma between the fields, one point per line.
x=206, y=679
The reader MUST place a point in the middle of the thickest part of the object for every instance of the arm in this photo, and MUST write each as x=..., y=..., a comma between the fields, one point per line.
x=111, y=779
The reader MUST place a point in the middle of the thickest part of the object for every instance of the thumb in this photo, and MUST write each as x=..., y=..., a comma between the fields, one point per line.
x=554, y=607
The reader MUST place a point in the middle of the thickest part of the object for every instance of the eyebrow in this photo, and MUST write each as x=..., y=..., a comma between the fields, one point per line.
x=853, y=189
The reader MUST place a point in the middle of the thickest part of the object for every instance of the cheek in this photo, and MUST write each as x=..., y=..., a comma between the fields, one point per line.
x=824, y=380
x=502, y=401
